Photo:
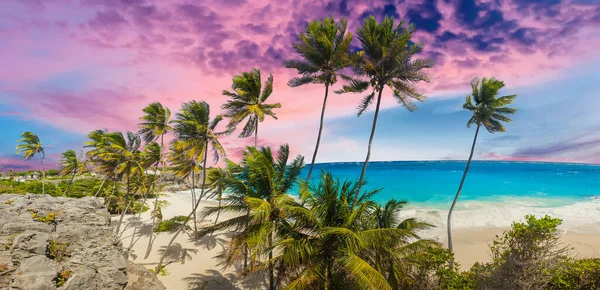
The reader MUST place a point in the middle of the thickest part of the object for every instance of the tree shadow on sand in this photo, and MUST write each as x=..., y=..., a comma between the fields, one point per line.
x=215, y=280
x=210, y=241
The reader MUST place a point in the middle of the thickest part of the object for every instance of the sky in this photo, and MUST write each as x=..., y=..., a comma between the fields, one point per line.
x=68, y=67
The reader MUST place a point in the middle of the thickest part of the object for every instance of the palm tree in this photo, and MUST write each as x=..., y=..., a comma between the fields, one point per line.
x=386, y=60
x=122, y=153
x=259, y=185
x=217, y=180
x=155, y=124
x=333, y=242
x=30, y=147
x=488, y=110
x=324, y=47
x=248, y=102
x=196, y=135
x=71, y=164
x=98, y=142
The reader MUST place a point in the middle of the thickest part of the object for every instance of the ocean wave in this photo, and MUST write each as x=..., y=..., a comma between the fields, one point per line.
x=578, y=216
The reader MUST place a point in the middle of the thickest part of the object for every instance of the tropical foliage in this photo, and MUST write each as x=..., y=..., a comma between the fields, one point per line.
x=248, y=102
x=30, y=146
x=71, y=164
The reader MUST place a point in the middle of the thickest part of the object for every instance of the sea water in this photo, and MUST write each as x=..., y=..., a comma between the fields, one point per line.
x=494, y=194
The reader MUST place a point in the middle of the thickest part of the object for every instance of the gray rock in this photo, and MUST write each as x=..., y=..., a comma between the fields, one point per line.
x=93, y=256
x=139, y=278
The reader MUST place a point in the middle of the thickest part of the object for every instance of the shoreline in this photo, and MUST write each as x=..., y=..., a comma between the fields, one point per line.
x=470, y=245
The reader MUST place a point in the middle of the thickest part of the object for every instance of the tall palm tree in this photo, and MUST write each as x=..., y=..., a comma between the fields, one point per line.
x=71, y=164
x=386, y=60
x=122, y=153
x=488, y=110
x=248, y=102
x=98, y=142
x=156, y=123
x=259, y=185
x=324, y=49
x=196, y=135
x=30, y=147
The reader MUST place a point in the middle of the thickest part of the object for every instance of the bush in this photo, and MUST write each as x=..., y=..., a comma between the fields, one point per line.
x=524, y=257
x=171, y=224
x=577, y=274
x=57, y=251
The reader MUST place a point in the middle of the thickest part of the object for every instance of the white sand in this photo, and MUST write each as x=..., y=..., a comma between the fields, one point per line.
x=204, y=272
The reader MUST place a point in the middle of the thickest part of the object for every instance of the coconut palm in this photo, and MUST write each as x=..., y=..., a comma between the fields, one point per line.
x=386, y=60
x=324, y=49
x=71, y=164
x=196, y=135
x=217, y=180
x=98, y=142
x=30, y=147
x=259, y=186
x=333, y=241
x=489, y=111
x=247, y=102
x=156, y=123
x=122, y=154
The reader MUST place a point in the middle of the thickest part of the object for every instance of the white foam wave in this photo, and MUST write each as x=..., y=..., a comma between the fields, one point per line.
x=577, y=216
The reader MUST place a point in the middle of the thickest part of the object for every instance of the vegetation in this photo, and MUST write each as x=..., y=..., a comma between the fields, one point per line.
x=71, y=164
x=30, y=146
x=247, y=102
x=171, y=224
x=488, y=110
x=324, y=48
x=334, y=235
x=57, y=251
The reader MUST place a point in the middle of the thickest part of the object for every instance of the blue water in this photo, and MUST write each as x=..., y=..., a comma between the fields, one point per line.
x=436, y=182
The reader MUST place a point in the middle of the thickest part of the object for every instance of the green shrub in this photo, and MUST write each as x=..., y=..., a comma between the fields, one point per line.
x=171, y=224
x=577, y=274
x=524, y=257
x=57, y=251
x=62, y=278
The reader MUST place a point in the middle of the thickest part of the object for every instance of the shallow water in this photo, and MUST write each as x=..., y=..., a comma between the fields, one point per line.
x=494, y=195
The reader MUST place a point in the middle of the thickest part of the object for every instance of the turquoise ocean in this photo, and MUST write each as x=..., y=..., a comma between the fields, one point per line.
x=495, y=193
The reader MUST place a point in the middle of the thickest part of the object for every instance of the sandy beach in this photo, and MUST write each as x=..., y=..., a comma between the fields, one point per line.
x=203, y=270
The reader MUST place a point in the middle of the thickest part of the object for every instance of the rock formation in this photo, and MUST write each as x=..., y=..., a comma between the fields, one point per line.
x=63, y=243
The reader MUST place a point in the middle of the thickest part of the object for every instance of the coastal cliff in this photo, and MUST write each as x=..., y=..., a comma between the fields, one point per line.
x=63, y=243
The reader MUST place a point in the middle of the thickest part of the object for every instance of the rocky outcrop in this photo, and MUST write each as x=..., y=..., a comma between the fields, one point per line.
x=63, y=243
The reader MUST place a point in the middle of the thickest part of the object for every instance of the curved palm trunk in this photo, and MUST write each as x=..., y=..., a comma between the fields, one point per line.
x=364, y=169
x=70, y=183
x=43, y=175
x=162, y=258
x=462, y=181
x=101, y=185
x=139, y=218
x=194, y=199
x=312, y=163
x=127, y=201
x=256, y=134
x=219, y=211
x=151, y=239
x=271, y=267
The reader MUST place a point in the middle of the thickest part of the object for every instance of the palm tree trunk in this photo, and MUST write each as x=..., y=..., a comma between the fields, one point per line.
x=271, y=270
x=312, y=163
x=70, y=183
x=43, y=175
x=101, y=185
x=194, y=199
x=256, y=134
x=150, y=240
x=162, y=258
x=364, y=169
x=219, y=212
x=125, y=209
x=139, y=218
x=462, y=181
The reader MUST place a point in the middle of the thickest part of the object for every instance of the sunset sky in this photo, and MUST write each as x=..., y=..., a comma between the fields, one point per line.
x=68, y=67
